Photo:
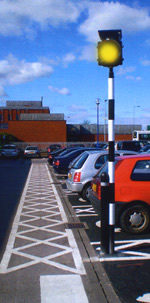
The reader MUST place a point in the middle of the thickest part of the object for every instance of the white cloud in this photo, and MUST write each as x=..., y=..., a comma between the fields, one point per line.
x=88, y=53
x=2, y=92
x=18, y=17
x=126, y=70
x=68, y=58
x=13, y=71
x=25, y=17
x=113, y=15
x=133, y=78
x=61, y=91
x=146, y=62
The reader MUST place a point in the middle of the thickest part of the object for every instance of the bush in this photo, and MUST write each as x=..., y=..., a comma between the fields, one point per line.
x=6, y=138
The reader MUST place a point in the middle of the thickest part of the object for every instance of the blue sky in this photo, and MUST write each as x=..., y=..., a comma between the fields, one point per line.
x=48, y=49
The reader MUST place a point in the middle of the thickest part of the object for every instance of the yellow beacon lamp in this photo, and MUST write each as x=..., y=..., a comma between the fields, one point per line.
x=109, y=49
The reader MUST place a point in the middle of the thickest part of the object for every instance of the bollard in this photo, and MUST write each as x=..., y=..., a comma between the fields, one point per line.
x=104, y=214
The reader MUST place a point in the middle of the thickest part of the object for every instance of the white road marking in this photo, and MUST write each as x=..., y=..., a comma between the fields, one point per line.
x=145, y=298
x=122, y=247
x=64, y=289
x=40, y=211
x=84, y=211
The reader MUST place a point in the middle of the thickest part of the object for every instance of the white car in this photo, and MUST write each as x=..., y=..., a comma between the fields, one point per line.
x=85, y=168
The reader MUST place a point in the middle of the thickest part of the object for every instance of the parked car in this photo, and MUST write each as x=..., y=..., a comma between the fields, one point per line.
x=99, y=144
x=132, y=192
x=10, y=151
x=53, y=147
x=61, y=163
x=129, y=145
x=76, y=145
x=85, y=167
x=31, y=151
x=145, y=149
x=60, y=152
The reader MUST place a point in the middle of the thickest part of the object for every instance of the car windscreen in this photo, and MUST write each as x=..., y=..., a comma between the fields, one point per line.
x=9, y=147
x=67, y=151
x=32, y=148
x=79, y=163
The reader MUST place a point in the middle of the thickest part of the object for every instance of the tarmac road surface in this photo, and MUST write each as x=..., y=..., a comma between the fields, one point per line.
x=48, y=256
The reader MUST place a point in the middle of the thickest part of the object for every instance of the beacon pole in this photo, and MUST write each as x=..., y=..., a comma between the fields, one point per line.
x=111, y=166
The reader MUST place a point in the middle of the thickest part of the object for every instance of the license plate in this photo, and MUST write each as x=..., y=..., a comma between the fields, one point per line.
x=94, y=187
x=31, y=152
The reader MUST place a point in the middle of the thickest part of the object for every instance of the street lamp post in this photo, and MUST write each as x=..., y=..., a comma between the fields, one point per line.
x=97, y=102
x=134, y=114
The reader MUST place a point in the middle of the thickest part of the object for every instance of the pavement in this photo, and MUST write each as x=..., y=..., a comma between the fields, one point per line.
x=48, y=256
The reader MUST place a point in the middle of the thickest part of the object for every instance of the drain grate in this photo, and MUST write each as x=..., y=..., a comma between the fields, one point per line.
x=76, y=225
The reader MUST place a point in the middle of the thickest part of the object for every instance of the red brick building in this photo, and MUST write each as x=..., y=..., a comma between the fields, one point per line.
x=29, y=121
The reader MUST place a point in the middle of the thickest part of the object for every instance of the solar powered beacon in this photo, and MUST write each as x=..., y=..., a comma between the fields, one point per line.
x=109, y=54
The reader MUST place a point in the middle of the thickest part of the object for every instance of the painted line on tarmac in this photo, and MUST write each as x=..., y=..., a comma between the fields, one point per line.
x=84, y=211
x=64, y=289
x=38, y=223
x=144, y=299
x=123, y=250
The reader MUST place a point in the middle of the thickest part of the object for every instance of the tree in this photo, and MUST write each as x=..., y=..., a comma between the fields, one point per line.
x=6, y=138
x=86, y=122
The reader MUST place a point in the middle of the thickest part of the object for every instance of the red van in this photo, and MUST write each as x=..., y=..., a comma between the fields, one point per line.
x=132, y=192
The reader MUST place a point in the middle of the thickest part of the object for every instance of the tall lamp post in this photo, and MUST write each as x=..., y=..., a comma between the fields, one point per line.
x=97, y=103
x=134, y=107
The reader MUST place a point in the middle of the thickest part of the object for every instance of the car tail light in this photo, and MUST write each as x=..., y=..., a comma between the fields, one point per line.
x=56, y=162
x=50, y=157
x=98, y=190
x=49, y=150
x=77, y=177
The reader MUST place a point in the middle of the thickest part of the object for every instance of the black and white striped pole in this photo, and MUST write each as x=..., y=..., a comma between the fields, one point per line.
x=110, y=55
x=111, y=167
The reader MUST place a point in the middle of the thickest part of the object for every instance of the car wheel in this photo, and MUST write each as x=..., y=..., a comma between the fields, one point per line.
x=85, y=192
x=135, y=219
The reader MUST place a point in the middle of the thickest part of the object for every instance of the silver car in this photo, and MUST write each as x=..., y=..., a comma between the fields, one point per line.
x=85, y=168
x=10, y=151
x=31, y=151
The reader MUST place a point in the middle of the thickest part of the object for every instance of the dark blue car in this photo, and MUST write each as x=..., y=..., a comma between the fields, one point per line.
x=61, y=163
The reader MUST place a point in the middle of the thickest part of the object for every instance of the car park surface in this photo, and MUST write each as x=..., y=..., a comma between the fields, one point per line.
x=132, y=188
x=38, y=253
x=128, y=268
x=85, y=167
